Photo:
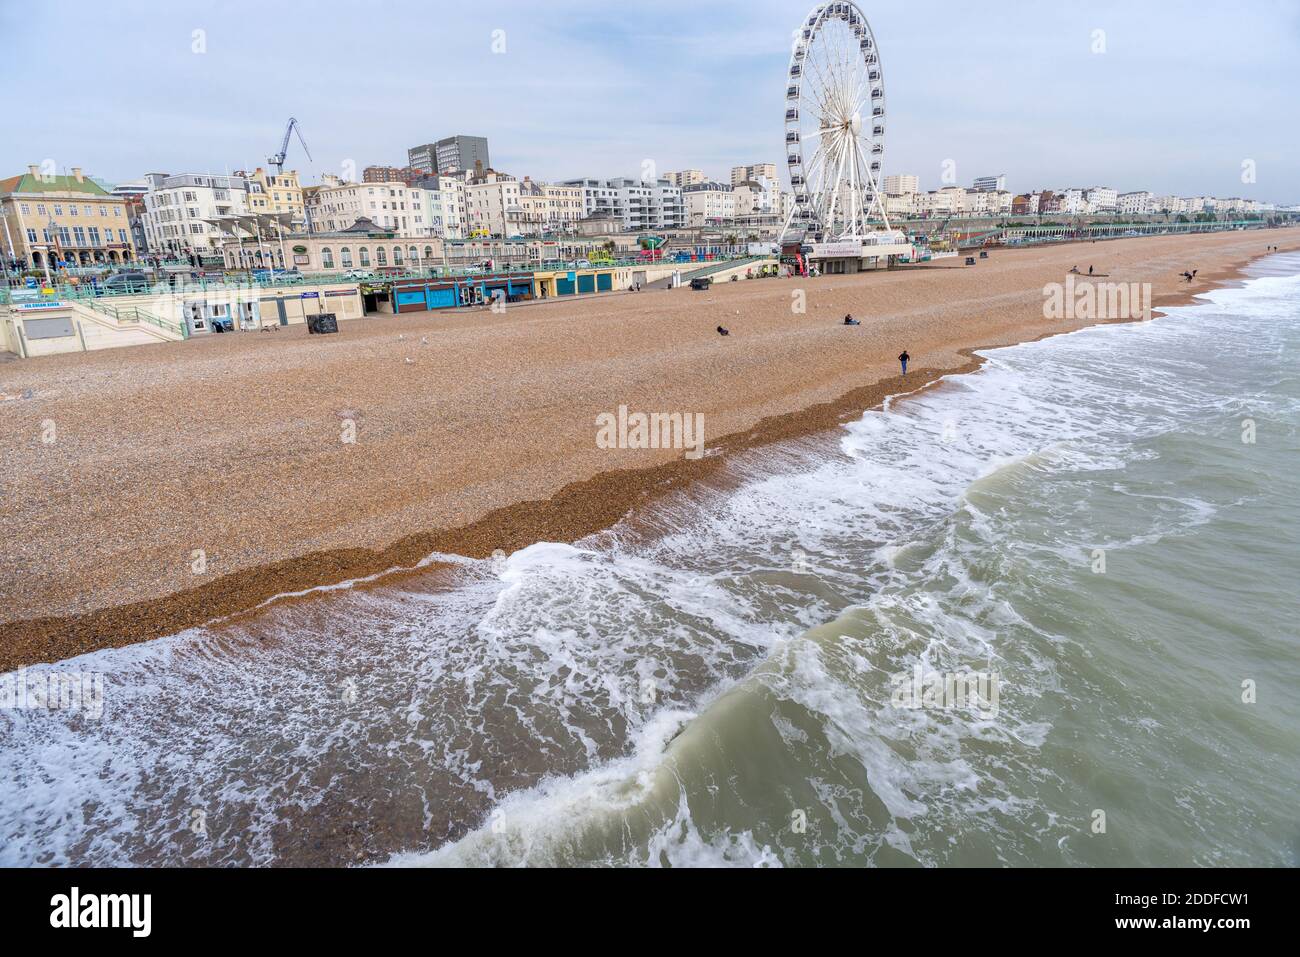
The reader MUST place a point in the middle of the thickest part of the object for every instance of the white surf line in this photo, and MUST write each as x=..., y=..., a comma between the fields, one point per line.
x=345, y=585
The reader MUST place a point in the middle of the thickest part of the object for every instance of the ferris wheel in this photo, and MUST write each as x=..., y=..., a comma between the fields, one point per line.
x=835, y=125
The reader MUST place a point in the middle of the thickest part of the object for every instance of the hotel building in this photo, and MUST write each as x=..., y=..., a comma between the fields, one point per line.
x=51, y=219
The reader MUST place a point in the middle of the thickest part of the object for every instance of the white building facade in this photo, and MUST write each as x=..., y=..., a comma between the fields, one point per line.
x=709, y=204
x=640, y=204
x=337, y=205
x=177, y=210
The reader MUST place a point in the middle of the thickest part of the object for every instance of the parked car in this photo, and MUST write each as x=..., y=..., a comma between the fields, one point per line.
x=277, y=275
x=125, y=282
x=358, y=274
x=584, y=264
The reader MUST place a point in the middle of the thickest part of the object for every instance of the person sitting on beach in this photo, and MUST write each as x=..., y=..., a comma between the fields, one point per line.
x=850, y=321
x=902, y=360
x=723, y=332
x=1075, y=270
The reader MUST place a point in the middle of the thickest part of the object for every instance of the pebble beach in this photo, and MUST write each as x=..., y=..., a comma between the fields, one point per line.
x=154, y=488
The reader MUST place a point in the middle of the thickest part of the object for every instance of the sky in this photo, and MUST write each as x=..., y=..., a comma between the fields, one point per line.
x=1172, y=96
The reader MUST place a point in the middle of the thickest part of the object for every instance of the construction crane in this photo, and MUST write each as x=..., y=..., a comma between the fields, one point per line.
x=278, y=159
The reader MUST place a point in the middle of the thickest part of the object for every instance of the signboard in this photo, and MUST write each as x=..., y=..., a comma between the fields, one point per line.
x=55, y=327
x=340, y=292
x=310, y=295
x=845, y=249
x=55, y=304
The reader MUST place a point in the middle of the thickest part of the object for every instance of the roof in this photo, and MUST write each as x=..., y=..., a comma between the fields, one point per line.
x=27, y=183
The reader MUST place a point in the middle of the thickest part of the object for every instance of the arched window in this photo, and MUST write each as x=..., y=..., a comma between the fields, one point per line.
x=365, y=255
x=327, y=258
x=345, y=254
x=428, y=253
x=397, y=255
x=381, y=255
x=413, y=254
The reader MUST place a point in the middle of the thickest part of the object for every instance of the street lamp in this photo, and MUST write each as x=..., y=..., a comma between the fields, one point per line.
x=51, y=237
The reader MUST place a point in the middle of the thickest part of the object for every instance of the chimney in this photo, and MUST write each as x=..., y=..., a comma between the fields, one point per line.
x=76, y=174
x=34, y=170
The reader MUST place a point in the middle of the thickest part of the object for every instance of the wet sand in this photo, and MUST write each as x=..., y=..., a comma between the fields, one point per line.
x=474, y=432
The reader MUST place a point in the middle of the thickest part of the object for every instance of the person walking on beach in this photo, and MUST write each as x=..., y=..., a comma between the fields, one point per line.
x=902, y=360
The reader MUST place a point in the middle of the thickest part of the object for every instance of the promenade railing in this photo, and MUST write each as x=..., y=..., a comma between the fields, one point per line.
x=233, y=281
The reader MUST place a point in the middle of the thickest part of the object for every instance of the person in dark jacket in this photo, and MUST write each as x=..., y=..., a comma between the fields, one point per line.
x=902, y=360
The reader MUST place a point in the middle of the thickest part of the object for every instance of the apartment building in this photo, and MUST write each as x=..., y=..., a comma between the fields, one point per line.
x=709, y=204
x=51, y=219
x=900, y=204
x=640, y=205
x=991, y=184
x=458, y=153
x=549, y=207
x=740, y=174
x=440, y=206
x=335, y=206
x=423, y=158
x=687, y=177
x=1101, y=199
x=179, y=209
x=1074, y=201
x=1140, y=203
x=280, y=193
x=492, y=205
x=389, y=174
x=756, y=196
x=902, y=184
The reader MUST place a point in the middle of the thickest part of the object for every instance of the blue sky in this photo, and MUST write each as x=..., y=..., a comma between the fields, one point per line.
x=1185, y=91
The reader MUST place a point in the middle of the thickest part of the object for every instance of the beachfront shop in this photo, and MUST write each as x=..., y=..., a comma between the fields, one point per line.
x=207, y=310
x=289, y=306
x=423, y=295
x=847, y=256
x=572, y=282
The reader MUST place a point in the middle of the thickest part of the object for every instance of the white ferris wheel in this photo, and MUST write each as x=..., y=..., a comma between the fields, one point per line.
x=835, y=126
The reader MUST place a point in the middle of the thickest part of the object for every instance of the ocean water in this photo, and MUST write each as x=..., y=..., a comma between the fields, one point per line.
x=1106, y=524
